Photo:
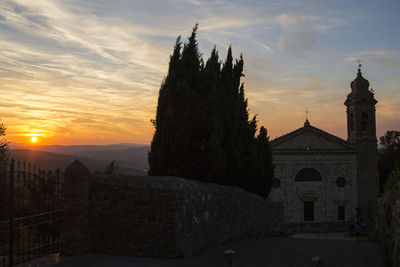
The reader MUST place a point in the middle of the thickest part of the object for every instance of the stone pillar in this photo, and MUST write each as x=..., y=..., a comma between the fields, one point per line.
x=75, y=233
x=229, y=256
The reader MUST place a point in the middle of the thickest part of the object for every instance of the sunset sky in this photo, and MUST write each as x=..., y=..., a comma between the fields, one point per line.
x=88, y=72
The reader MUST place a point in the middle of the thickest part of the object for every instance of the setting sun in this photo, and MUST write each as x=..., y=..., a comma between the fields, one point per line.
x=34, y=139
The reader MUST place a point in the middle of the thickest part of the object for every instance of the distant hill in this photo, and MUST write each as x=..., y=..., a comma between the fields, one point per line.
x=51, y=161
x=129, y=156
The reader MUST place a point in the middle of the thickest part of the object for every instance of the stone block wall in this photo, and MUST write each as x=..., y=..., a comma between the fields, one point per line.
x=133, y=216
x=212, y=214
x=172, y=217
x=388, y=222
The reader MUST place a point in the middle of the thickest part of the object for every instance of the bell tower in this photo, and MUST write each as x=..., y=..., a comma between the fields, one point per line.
x=361, y=132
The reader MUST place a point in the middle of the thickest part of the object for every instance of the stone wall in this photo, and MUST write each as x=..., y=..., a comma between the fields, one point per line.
x=388, y=222
x=173, y=217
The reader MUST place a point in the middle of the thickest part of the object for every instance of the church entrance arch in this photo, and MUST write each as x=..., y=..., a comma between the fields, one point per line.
x=308, y=175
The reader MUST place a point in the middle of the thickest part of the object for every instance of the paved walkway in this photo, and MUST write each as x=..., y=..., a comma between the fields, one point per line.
x=255, y=252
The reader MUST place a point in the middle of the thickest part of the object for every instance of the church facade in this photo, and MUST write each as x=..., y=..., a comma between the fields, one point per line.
x=322, y=178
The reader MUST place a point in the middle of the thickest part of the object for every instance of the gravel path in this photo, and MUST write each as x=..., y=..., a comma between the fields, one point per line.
x=255, y=252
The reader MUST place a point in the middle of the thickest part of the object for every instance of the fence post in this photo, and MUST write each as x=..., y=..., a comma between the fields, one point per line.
x=11, y=216
x=75, y=232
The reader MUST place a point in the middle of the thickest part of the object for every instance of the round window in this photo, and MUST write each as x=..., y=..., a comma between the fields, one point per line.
x=341, y=182
x=276, y=183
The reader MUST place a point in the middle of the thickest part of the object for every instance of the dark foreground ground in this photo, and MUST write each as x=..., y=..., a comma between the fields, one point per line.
x=255, y=252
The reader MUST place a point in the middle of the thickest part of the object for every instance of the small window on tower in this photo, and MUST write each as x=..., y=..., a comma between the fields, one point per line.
x=351, y=122
x=364, y=121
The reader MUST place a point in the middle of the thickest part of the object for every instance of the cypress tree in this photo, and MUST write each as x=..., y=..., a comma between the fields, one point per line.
x=202, y=126
x=195, y=142
x=263, y=186
x=230, y=113
x=178, y=123
x=212, y=151
x=160, y=157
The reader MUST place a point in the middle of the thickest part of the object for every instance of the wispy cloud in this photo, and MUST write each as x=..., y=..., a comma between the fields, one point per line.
x=98, y=72
x=293, y=19
x=297, y=42
x=379, y=57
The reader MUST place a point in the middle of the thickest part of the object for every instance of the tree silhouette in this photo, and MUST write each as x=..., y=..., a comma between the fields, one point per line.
x=389, y=155
x=202, y=126
x=3, y=143
x=3, y=172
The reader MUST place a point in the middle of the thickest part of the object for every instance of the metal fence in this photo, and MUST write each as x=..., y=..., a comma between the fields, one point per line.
x=31, y=212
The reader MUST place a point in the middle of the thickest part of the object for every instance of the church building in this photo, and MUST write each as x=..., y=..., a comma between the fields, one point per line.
x=321, y=178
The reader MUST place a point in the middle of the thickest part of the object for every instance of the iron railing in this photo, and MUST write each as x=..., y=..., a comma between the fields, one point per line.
x=30, y=212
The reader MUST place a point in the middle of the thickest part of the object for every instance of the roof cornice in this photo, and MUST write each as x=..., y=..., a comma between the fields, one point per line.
x=309, y=128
